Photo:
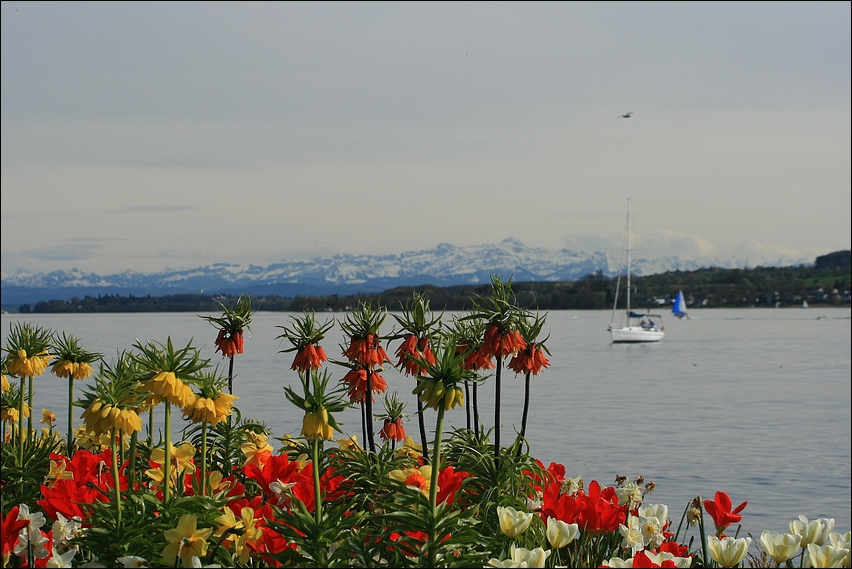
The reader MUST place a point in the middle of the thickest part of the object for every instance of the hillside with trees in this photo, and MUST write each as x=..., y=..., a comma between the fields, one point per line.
x=826, y=282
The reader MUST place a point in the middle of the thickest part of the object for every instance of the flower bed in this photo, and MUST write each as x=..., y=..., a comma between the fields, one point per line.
x=108, y=494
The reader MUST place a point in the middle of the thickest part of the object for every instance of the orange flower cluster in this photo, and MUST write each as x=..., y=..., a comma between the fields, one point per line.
x=366, y=352
x=531, y=359
x=308, y=358
x=417, y=348
x=393, y=430
x=356, y=379
x=502, y=343
x=474, y=359
x=230, y=344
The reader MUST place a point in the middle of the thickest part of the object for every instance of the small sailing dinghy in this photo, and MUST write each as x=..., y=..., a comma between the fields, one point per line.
x=679, y=306
x=636, y=327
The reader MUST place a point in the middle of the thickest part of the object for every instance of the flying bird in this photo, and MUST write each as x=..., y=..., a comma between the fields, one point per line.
x=624, y=116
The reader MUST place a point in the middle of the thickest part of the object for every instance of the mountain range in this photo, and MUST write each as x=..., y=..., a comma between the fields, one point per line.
x=444, y=265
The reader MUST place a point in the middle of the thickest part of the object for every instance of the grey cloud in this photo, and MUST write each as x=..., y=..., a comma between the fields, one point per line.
x=64, y=252
x=155, y=208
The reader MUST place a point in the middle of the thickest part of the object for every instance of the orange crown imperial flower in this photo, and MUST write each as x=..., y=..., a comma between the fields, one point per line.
x=393, y=430
x=309, y=357
x=531, y=359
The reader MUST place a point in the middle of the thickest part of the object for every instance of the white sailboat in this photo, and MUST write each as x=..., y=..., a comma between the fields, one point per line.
x=635, y=327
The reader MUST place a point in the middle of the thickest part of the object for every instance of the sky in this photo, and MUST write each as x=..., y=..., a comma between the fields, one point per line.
x=153, y=136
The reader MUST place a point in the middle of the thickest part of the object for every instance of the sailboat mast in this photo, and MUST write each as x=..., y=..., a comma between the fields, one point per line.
x=629, y=231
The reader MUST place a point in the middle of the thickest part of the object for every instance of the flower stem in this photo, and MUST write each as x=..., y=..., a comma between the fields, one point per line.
x=21, y=424
x=115, y=433
x=433, y=488
x=231, y=376
x=131, y=480
x=30, y=418
x=204, y=458
x=168, y=453
x=497, y=411
x=422, y=422
x=526, y=411
x=317, y=494
x=703, y=533
x=467, y=403
x=150, y=427
x=475, y=412
x=368, y=399
x=68, y=448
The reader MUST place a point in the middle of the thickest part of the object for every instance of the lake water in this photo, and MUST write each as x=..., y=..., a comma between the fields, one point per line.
x=754, y=402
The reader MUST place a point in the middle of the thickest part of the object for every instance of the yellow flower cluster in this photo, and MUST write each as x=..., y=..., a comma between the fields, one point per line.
x=240, y=532
x=67, y=368
x=181, y=463
x=10, y=414
x=315, y=426
x=167, y=387
x=4, y=383
x=101, y=419
x=434, y=393
x=22, y=366
x=211, y=411
x=86, y=439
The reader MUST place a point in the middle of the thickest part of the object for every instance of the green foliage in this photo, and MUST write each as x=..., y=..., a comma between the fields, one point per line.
x=22, y=479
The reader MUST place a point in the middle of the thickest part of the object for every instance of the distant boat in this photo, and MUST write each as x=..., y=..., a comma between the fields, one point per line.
x=679, y=306
x=804, y=304
x=636, y=327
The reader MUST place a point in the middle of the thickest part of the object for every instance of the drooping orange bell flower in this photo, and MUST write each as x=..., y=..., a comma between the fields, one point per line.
x=356, y=379
x=393, y=430
x=501, y=342
x=531, y=359
x=230, y=344
x=412, y=347
x=309, y=357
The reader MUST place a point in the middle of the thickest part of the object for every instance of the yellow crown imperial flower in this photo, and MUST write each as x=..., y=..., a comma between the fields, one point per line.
x=23, y=366
x=211, y=411
x=67, y=368
x=101, y=419
x=315, y=426
x=166, y=386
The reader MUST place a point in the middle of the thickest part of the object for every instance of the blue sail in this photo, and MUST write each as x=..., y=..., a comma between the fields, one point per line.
x=679, y=306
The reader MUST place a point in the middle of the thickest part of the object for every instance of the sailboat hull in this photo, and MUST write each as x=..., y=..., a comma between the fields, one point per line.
x=635, y=334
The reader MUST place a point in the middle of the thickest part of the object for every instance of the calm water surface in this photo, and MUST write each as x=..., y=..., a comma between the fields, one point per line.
x=755, y=402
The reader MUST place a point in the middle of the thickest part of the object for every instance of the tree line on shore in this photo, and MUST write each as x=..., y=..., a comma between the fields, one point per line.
x=710, y=288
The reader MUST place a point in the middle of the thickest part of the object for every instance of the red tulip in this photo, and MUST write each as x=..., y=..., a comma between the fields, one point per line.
x=720, y=510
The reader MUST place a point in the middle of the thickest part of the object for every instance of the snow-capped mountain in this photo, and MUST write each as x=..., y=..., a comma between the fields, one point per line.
x=343, y=274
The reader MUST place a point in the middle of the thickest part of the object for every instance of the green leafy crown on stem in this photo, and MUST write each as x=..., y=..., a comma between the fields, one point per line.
x=363, y=321
x=232, y=321
x=68, y=348
x=305, y=330
x=155, y=357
